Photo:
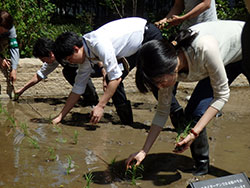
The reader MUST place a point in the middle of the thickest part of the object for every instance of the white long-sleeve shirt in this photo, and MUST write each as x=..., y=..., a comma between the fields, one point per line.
x=116, y=39
x=217, y=44
x=46, y=69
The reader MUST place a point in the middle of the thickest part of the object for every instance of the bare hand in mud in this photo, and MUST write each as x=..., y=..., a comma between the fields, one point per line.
x=16, y=96
x=96, y=114
x=135, y=159
x=57, y=120
x=179, y=149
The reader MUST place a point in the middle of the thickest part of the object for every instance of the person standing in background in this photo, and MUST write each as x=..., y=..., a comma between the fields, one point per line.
x=195, y=11
x=8, y=37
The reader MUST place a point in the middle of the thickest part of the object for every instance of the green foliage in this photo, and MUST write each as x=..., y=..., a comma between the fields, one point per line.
x=170, y=33
x=183, y=131
x=225, y=12
x=86, y=22
x=115, y=6
x=30, y=20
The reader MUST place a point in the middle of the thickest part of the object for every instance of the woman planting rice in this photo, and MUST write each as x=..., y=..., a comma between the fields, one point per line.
x=210, y=53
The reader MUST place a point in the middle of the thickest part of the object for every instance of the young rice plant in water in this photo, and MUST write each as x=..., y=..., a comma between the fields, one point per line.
x=134, y=173
x=89, y=178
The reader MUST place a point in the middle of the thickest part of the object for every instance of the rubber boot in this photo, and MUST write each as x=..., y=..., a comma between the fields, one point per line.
x=178, y=119
x=200, y=153
x=124, y=111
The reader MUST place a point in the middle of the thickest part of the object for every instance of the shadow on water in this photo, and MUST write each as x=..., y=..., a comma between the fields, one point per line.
x=161, y=168
x=82, y=120
x=51, y=101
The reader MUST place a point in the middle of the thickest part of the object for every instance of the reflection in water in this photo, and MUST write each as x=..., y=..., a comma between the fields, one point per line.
x=40, y=130
x=16, y=159
x=90, y=157
x=18, y=137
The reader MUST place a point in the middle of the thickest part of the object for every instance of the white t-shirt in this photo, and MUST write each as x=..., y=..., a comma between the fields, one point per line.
x=119, y=38
x=217, y=44
x=208, y=15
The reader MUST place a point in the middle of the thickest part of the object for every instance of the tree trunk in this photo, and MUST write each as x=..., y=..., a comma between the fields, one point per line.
x=134, y=7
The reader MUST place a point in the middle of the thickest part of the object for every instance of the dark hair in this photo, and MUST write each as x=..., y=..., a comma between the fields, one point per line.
x=6, y=20
x=159, y=57
x=43, y=47
x=64, y=45
x=185, y=39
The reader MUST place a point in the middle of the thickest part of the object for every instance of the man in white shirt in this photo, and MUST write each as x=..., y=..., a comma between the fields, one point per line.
x=43, y=49
x=117, y=39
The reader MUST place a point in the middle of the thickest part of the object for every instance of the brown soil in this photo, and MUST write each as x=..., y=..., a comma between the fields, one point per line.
x=111, y=143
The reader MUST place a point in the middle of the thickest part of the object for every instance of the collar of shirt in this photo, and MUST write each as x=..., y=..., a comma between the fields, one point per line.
x=90, y=56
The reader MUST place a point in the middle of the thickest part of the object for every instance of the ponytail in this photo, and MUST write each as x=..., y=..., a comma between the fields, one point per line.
x=184, y=39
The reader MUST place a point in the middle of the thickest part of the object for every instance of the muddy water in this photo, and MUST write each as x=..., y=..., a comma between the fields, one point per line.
x=57, y=159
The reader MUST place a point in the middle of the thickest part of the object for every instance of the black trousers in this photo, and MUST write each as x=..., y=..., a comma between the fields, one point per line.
x=151, y=33
x=70, y=72
x=245, y=40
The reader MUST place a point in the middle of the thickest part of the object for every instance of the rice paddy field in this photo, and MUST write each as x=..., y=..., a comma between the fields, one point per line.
x=75, y=154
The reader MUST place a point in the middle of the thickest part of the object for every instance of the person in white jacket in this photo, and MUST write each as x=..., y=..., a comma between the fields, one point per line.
x=209, y=52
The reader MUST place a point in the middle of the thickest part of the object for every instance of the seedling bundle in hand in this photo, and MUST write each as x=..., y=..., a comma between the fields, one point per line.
x=182, y=132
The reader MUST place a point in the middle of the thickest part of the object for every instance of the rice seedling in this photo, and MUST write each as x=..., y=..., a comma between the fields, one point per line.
x=34, y=143
x=112, y=165
x=24, y=127
x=70, y=166
x=89, y=178
x=9, y=117
x=75, y=137
x=50, y=119
x=57, y=129
x=134, y=173
x=52, y=155
x=61, y=140
x=12, y=120
x=182, y=133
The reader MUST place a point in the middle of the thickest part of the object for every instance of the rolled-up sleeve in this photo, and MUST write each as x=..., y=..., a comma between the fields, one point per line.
x=46, y=69
x=163, y=107
x=82, y=77
x=216, y=71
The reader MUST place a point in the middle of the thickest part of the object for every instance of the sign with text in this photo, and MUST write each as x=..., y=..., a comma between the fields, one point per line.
x=231, y=181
